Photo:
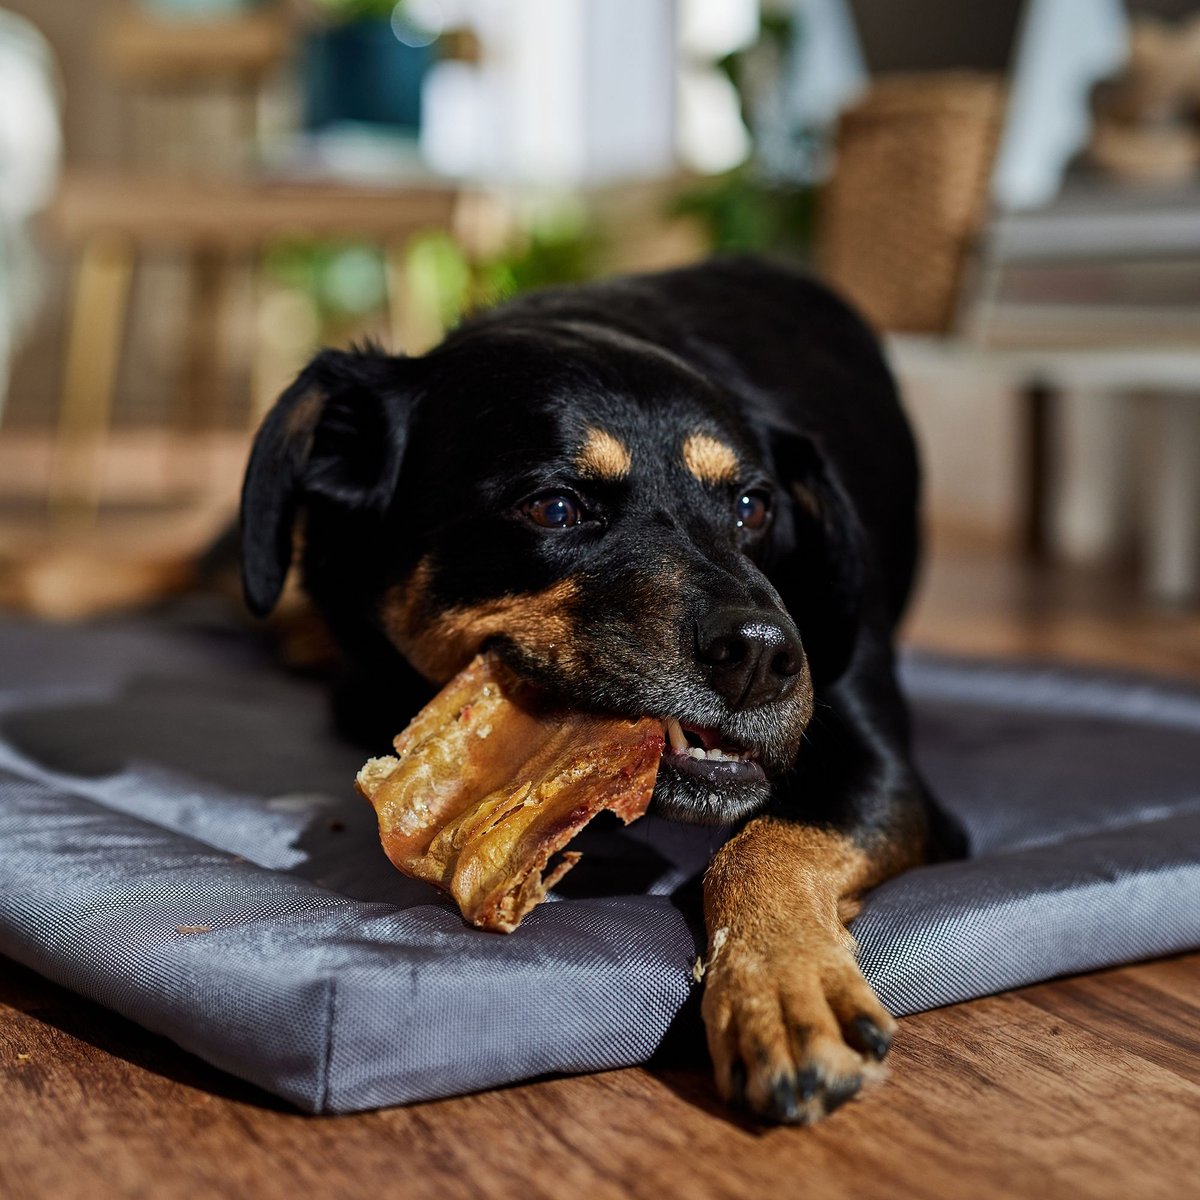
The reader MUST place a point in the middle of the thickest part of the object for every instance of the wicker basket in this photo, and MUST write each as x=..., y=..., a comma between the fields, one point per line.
x=909, y=194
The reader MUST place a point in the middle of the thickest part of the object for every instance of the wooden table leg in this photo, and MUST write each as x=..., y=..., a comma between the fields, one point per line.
x=265, y=379
x=97, y=323
x=1037, y=417
x=200, y=384
x=201, y=393
x=1091, y=488
x=1173, y=562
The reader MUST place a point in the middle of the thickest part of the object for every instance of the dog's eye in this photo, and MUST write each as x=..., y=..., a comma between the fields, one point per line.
x=752, y=509
x=554, y=510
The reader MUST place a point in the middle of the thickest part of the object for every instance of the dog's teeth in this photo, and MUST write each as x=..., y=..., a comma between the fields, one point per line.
x=725, y=755
x=675, y=735
x=682, y=747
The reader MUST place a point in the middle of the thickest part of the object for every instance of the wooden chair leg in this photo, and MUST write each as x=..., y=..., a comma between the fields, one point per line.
x=1091, y=499
x=1037, y=417
x=1173, y=566
x=200, y=403
x=265, y=380
x=93, y=358
x=200, y=396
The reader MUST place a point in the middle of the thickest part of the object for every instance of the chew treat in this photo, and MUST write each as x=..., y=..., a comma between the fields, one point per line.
x=487, y=785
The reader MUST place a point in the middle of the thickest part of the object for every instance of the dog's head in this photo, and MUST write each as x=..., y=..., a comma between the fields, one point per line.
x=619, y=528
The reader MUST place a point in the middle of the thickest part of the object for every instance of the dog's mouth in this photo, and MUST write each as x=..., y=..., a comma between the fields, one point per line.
x=706, y=778
x=707, y=755
x=715, y=769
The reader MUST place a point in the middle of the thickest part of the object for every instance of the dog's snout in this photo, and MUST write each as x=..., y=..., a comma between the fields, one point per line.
x=751, y=657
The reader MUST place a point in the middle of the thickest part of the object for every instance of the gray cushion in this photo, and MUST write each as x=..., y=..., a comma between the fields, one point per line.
x=180, y=840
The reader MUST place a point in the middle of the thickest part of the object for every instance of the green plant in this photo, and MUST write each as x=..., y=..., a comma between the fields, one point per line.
x=743, y=213
x=342, y=279
x=765, y=204
x=345, y=282
x=450, y=284
x=343, y=11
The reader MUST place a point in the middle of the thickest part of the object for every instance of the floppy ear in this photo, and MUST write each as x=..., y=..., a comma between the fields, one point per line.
x=821, y=577
x=335, y=437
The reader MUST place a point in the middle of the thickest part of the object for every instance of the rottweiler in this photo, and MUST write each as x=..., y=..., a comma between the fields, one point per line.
x=692, y=495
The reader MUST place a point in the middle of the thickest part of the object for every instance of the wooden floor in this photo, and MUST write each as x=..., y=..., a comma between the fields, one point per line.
x=1083, y=1088
x=1086, y=1087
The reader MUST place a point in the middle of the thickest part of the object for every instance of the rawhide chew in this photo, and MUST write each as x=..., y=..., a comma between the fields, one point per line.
x=487, y=785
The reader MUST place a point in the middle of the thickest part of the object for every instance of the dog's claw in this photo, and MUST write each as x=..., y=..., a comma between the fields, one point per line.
x=869, y=1038
x=808, y=1083
x=804, y=1098
x=793, y=1045
x=838, y=1093
x=785, y=1107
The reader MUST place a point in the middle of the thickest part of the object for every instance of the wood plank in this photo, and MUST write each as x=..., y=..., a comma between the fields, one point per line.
x=979, y=602
x=141, y=48
x=235, y=215
x=1089, y=1086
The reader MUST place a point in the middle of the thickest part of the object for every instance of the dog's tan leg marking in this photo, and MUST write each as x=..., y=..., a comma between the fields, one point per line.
x=603, y=456
x=710, y=460
x=793, y=1028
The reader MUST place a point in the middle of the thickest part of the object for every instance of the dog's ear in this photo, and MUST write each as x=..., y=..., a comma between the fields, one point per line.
x=335, y=437
x=821, y=575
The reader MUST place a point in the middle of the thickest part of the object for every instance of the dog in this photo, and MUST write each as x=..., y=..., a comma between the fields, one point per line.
x=691, y=495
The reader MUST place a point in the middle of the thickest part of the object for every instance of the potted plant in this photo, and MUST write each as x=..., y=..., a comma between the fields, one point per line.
x=364, y=63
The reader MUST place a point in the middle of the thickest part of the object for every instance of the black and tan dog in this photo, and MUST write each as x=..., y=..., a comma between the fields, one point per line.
x=691, y=495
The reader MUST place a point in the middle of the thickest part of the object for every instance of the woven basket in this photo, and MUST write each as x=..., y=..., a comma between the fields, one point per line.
x=909, y=194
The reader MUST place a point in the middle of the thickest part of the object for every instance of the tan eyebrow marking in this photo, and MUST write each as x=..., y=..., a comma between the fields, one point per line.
x=603, y=456
x=710, y=460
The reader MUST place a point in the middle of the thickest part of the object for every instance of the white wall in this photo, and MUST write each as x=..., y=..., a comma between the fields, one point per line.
x=568, y=92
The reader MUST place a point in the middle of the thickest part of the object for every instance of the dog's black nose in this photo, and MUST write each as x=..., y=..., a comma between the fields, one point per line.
x=752, y=657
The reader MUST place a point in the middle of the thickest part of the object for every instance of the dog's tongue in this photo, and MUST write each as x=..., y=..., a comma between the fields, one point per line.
x=486, y=786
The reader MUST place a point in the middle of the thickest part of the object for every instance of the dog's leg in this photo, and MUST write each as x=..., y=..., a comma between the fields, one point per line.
x=793, y=1028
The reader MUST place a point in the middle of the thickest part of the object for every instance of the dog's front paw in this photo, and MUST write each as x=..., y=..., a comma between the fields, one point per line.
x=794, y=1030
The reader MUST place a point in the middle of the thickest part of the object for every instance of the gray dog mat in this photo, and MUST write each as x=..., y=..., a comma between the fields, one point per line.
x=180, y=840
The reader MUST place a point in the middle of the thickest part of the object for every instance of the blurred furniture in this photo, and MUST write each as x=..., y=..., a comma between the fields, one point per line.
x=113, y=219
x=910, y=194
x=1098, y=294
x=1103, y=264
x=194, y=82
x=1144, y=123
x=159, y=51
x=30, y=151
x=1042, y=376
x=177, y=73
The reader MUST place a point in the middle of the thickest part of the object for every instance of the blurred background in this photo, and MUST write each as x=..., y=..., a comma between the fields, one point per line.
x=195, y=194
